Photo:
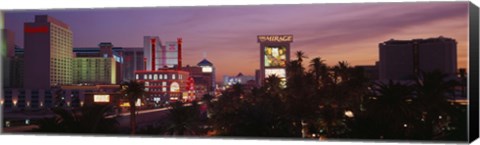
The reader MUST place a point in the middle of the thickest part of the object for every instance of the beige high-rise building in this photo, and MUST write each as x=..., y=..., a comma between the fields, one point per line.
x=48, y=53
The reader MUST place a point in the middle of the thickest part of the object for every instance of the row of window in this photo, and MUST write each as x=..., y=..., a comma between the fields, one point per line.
x=158, y=76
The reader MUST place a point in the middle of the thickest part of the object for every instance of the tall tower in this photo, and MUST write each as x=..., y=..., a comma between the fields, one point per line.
x=48, y=53
x=151, y=49
x=274, y=56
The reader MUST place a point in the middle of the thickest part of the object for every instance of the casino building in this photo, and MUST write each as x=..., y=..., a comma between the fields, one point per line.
x=274, y=56
x=163, y=76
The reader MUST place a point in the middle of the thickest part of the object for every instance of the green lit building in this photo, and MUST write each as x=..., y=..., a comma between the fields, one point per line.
x=94, y=70
x=98, y=65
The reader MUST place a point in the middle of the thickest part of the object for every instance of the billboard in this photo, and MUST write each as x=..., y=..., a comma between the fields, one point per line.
x=207, y=69
x=275, y=56
x=170, y=57
x=101, y=98
x=275, y=38
x=280, y=73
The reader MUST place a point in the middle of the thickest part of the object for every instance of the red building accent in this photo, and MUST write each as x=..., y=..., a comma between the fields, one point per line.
x=153, y=54
x=179, y=43
x=144, y=63
x=39, y=29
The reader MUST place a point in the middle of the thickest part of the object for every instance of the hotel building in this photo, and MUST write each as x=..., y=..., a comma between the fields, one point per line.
x=8, y=54
x=97, y=65
x=405, y=59
x=48, y=53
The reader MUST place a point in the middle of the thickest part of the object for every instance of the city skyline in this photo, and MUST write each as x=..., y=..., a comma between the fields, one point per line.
x=355, y=28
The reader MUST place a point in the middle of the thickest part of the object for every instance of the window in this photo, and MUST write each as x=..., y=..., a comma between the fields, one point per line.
x=145, y=76
x=155, y=77
x=165, y=76
x=136, y=76
x=164, y=83
x=173, y=76
x=150, y=76
x=164, y=89
x=160, y=76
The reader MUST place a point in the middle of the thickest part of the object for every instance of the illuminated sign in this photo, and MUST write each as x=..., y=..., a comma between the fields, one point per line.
x=275, y=56
x=40, y=29
x=101, y=98
x=279, y=72
x=207, y=69
x=275, y=38
x=174, y=87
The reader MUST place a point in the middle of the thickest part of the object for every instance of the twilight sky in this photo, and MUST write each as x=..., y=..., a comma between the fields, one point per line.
x=334, y=32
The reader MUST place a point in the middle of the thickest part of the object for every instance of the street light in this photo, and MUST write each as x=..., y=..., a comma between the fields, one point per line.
x=349, y=114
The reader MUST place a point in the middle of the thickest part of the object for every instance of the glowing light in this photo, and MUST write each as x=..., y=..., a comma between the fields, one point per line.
x=7, y=123
x=275, y=38
x=405, y=125
x=349, y=113
x=174, y=87
x=101, y=98
x=207, y=69
x=138, y=103
x=275, y=56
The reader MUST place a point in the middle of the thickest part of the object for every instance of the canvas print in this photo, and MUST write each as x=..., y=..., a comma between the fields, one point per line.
x=358, y=71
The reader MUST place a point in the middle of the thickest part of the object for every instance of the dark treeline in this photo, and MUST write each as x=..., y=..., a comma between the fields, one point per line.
x=340, y=102
x=319, y=101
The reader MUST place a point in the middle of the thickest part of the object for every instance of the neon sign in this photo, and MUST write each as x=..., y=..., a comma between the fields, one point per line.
x=101, y=98
x=275, y=38
x=39, y=29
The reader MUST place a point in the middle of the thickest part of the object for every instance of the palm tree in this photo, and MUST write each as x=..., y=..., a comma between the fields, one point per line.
x=391, y=107
x=183, y=120
x=90, y=119
x=133, y=90
x=320, y=70
x=300, y=56
x=432, y=89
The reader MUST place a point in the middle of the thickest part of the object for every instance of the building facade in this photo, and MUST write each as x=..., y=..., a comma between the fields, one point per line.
x=132, y=61
x=160, y=56
x=40, y=99
x=98, y=65
x=8, y=54
x=151, y=49
x=94, y=70
x=203, y=76
x=48, y=53
x=165, y=84
x=16, y=69
x=405, y=59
